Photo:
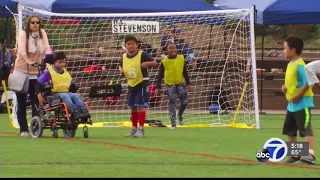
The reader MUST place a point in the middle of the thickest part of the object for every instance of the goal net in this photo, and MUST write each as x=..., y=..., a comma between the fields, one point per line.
x=223, y=83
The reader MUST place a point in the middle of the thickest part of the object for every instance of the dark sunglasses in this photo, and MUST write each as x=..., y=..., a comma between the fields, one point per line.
x=33, y=22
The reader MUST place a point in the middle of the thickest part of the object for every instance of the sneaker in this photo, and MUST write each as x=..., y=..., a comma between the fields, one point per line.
x=311, y=159
x=293, y=159
x=25, y=134
x=139, y=133
x=132, y=132
x=173, y=122
x=173, y=127
x=84, y=113
x=181, y=123
x=76, y=115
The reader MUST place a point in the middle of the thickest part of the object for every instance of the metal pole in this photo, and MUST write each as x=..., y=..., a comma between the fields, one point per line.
x=261, y=76
x=20, y=18
x=254, y=66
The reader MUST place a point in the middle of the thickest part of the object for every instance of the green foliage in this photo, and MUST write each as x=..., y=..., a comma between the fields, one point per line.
x=259, y=42
x=8, y=31
x=278, y=31
x=314, y=27
x=260, y=30
x=316, y=36
x=303, y=31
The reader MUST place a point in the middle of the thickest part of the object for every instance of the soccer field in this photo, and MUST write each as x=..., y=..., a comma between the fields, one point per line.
x=184, y=152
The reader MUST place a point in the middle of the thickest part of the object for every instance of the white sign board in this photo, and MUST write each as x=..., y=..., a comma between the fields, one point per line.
x=132, y=27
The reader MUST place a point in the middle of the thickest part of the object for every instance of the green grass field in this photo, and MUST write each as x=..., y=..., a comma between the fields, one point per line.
x=184, y=152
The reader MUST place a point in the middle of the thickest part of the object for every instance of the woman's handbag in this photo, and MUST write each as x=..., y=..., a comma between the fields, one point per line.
x=18, y=82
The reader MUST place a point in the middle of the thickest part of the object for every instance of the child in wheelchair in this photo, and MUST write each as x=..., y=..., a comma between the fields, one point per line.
x=63, y=86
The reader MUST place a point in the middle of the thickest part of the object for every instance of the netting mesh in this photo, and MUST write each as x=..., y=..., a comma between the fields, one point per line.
x=220, y=41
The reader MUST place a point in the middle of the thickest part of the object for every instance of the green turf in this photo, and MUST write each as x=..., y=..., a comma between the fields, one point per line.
x=184, y=152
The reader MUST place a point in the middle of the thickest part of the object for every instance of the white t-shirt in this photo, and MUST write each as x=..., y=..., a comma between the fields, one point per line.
x=312, y=69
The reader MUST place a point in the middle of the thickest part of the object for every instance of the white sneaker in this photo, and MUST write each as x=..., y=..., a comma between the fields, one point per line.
x=25, y=134
x=139, y=133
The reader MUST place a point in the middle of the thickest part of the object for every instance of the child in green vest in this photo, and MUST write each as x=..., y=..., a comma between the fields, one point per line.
x=174, y=71
x=134, y=65
x=300, y=99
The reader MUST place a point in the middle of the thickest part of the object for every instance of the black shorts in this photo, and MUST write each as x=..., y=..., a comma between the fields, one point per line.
x=300, y=120
x=139, y=95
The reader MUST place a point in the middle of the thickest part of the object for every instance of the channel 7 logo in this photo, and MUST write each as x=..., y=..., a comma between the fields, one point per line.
x=274, y=150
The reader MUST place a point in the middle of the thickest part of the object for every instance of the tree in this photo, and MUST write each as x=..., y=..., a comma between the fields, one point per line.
x=8, y=31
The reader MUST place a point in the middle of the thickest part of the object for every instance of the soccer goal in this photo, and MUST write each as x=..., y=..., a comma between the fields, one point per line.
x=222, y=42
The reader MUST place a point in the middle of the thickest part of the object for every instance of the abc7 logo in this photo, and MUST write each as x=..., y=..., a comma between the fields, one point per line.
x=274, y=150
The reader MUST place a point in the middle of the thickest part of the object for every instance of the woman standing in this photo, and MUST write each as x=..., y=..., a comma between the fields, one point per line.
x=33, y=44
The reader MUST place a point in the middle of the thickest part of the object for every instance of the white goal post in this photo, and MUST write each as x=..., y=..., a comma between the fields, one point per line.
x=222, y=41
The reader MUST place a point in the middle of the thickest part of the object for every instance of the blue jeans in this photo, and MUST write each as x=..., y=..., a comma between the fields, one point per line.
x=73, y=100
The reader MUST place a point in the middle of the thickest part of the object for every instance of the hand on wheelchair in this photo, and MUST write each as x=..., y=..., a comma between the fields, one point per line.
x=33, y=64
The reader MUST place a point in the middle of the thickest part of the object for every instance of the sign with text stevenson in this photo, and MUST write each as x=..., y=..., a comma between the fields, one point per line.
x=133, y=27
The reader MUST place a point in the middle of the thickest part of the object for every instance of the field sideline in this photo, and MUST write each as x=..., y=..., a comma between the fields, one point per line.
x=184, y=152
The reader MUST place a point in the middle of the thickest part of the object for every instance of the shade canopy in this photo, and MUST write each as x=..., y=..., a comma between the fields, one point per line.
x=117, y=6
x=278, y=12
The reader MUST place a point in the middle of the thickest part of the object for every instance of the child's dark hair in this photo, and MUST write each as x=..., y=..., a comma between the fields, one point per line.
x=59, y=56
x=130, y=38
x=296, y=43
x=168, y=44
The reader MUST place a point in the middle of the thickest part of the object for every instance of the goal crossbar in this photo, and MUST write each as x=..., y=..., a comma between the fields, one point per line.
x=153, y=14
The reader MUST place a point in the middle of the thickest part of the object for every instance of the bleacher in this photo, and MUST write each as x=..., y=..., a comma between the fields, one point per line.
x=272, y=98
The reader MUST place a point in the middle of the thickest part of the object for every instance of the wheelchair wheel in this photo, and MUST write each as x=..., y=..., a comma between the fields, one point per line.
x=36, y=127
x=69, y=131
x=85, y=132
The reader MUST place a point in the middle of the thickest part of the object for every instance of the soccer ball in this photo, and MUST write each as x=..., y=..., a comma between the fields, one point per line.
x=214, y=108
